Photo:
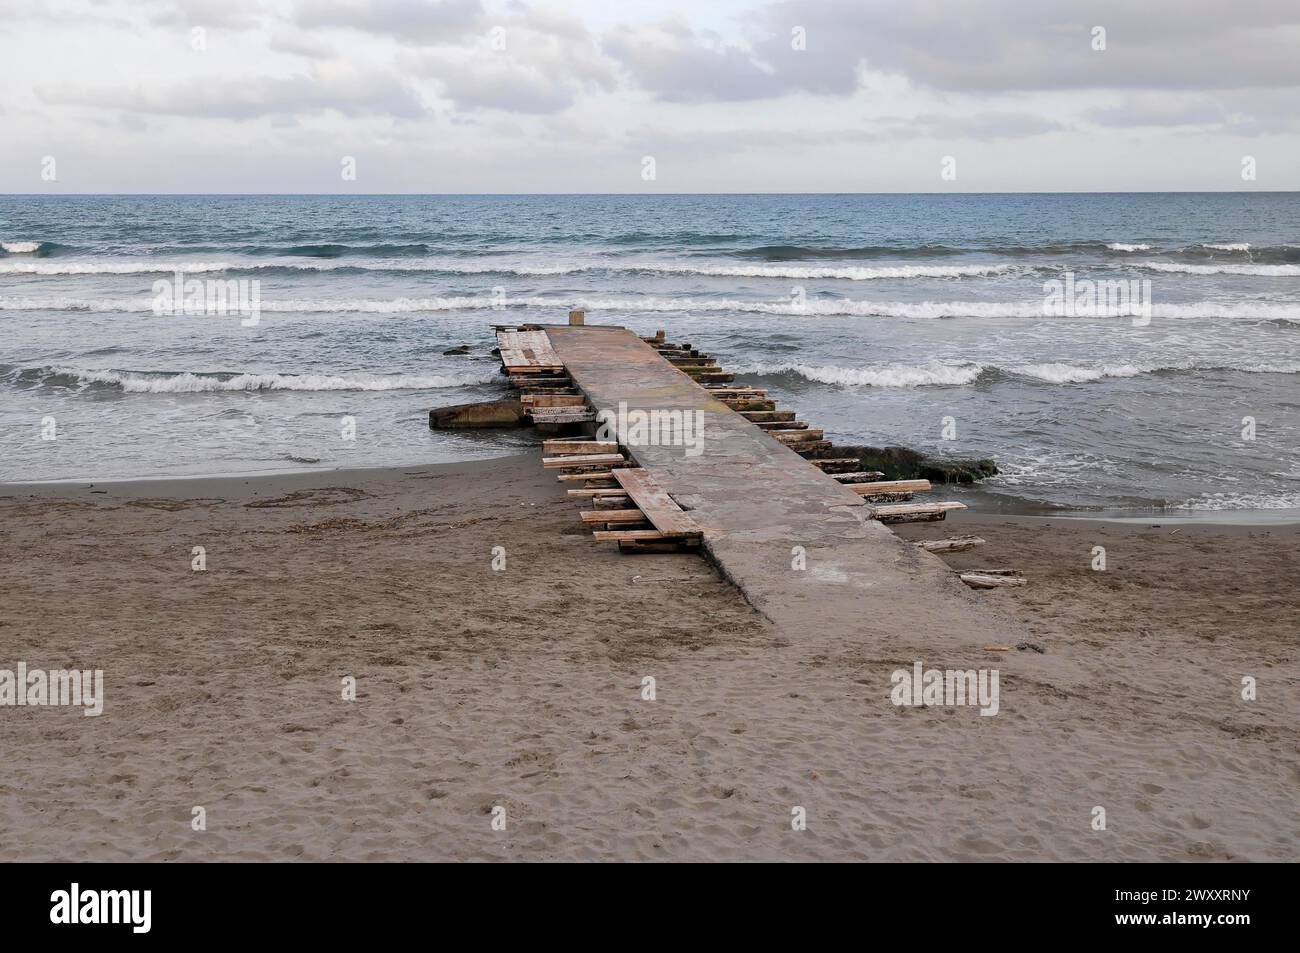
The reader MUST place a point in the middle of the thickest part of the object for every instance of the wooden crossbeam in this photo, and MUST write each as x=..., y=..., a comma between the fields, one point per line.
x=597, y=491
x=632, y=534
x=583, y=460
x=579, y=447
x=796, y=436
x=811, y=446
x=589, y=475
x=914, y=512
x=890, y=486
x=770, y=425
x=553, y=400
x=612, y=516
x=857, y=476
x=767, y=416
x=836, y=464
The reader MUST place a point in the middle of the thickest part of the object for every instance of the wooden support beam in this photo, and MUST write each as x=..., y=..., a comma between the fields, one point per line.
x=857, y=476
x=597, y=491
x=890, y=486
x=561, y=415
x=836, y=464
x=612, y=516
x=583, y=460
x=770, y=425
x=633, y=547
x=796, y=436
x=589, y=475
x=767, y=416
x=638, y=535
x=579, y=447
x=553, y=400
x=811, y=447
x=742, y=403
x=914, y=512
x=611, y=502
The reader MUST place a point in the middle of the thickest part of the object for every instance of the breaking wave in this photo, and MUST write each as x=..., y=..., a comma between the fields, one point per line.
x=842, y=307
x=959, y=373
x=187, y=382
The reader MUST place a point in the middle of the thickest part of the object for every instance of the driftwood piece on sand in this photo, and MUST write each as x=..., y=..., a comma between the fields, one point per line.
x=957, y=544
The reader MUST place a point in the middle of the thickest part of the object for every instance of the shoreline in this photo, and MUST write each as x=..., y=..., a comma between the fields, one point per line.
x=982, y=502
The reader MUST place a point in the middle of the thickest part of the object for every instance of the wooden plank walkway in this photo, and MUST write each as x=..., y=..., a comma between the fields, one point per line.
x=763, y=510
x=527, y=351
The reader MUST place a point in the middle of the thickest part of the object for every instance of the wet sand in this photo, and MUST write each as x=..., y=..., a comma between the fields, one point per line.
x=522, y=689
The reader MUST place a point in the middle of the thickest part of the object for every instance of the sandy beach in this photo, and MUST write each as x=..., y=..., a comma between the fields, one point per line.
x=522, y=688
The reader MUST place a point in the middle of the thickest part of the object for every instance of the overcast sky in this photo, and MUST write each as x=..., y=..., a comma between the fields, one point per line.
x=725, y=95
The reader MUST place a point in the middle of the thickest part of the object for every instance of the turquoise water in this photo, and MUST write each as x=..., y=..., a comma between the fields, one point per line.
x=885, y=319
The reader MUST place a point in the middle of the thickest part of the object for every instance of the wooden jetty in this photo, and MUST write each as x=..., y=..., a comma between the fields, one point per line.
x=766, y=496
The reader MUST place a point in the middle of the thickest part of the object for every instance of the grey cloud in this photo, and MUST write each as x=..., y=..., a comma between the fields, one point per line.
x=1005, y=45
x=548, y=60
x=343, y=91
x=410, y=21
x=678, y=65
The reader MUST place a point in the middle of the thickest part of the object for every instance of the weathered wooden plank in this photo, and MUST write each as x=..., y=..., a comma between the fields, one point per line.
x=562, y=415
x=527, y=351
x=770, y=425
x=582, y=460
x=634, y=547
x=796, y=436
x=985, y=581
x=914, y=512
x=597, y=491
x=836, y=464
x=902, y=497
x=857, y=476
x=890, y=486
x=811, y=447
x=588, y=475
x=611, y=502
x=572, y=448
x=631, y=534
x=956, y=544
x=612, y=516
x=742, y=403
x=553, y=400
x=653, y=500
x=767, y=416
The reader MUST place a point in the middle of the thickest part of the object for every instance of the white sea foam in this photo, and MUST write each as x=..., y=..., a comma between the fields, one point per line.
x=1265, y=271
x=1074, y=374
x=1228, y=246
x=843, y=273
x=812, y=308
x=1241, y=501
x=20, y=248
x=888, y=375
x=1125, y=246
x=188, y=383
x=958, y=373
x=101, y=267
